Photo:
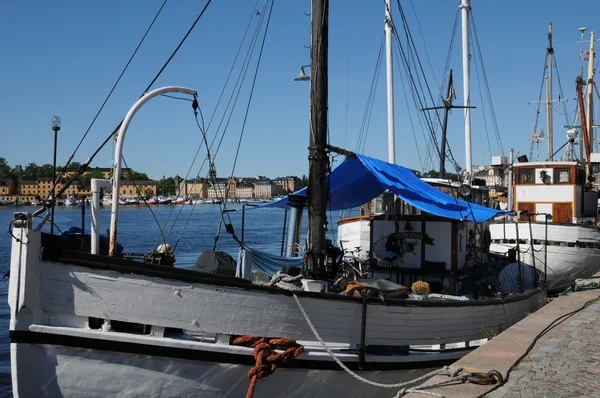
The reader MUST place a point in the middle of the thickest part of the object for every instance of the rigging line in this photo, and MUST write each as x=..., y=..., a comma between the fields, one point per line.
x=370, y=99
x=483, y=113
x=413, y=95
x=412, y=79
x=487, y=87
x=410, y=118
x=415, y=91
x=89, y=160
x=203, y=132
x=539, y=101
x=238, y=85
x=348, y=74
x=260, y=54
x=223, y=90
x=120, y=76
x=252, y=14
x=175, y=97
x=179, y=46
x=560, y=91
x=440, y=88
x=410, y=41
x=419, y=115
x=108, y=96
x=196, y=109
x=361, y=131
x=144, y=199
x=450, y=49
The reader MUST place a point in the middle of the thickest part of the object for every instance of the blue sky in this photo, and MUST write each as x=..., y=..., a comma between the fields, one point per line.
x=62, y=57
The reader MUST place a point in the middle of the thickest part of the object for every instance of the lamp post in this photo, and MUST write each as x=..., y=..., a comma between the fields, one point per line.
x=55, y=127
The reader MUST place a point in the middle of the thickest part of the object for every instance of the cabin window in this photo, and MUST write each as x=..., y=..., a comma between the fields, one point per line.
x=562, y=176
x=526, y=176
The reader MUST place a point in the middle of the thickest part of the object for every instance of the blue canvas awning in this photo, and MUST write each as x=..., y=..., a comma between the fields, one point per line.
x=359, y=179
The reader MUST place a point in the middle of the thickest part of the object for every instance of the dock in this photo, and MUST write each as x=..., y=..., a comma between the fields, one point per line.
x=564, y=362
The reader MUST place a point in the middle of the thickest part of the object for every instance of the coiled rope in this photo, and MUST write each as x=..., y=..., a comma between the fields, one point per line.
x=266, y=358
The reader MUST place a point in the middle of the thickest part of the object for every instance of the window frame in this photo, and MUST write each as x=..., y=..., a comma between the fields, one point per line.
x=557, y=172
x=522, y=173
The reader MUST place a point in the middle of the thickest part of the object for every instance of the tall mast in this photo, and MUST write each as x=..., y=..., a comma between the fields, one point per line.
x=590, y=92
x=318, y=160
x=390, y=82
x=550, y=52
x=465, y=6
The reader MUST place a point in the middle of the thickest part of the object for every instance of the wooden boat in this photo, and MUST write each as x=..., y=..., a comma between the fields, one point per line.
x=85, y=324
x=556, y=230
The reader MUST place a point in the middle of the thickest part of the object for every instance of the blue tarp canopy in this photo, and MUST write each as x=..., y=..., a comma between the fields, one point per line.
x=359, y=179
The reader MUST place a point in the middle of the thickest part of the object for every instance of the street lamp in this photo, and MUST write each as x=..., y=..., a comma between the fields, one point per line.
x=55, y=127
x=302, y=77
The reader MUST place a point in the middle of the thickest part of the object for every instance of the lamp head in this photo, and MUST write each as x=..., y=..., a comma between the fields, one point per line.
x=55, y=123
x=302, y=77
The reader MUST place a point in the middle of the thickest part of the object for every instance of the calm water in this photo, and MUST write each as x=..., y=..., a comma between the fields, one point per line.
x=138, y=233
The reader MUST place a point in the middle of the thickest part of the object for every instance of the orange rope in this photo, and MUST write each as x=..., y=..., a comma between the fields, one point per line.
x=266, y=358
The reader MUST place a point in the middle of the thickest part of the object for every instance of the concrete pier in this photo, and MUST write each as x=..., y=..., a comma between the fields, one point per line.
x=565, y=362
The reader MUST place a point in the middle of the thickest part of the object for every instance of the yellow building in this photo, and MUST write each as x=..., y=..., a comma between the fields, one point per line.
x=106, y=172
x=192, y=188
x=138, y=188
x=6, y=187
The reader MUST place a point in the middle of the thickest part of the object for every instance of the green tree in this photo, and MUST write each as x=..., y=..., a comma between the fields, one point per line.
x=86, y=179
x=166, y=186
x=46, y=171
x=133, y=175
x=31, y=171
x=5, y=170
x=304, y=181
x=431, y=174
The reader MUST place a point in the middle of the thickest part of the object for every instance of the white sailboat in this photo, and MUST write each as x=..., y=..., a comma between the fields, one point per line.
x=84, y=324
x=557, y=229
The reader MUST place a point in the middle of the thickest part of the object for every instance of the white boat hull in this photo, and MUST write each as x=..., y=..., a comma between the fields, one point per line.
x=573, y=251
x=62, y=371
x=57, y=297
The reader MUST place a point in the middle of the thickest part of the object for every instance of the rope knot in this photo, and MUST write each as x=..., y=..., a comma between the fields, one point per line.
x=266, y=358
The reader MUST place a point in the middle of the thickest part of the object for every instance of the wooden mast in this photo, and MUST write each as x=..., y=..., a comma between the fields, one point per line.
x=317, y=158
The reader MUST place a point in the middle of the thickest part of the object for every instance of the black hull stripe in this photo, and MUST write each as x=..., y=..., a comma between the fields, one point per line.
x=28, y=337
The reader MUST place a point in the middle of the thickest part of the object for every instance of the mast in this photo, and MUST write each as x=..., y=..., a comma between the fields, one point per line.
x=318, y=160
x=390, y=82
x=590, y=92
x=465, y=6
x=550, y=52
x=447, y=106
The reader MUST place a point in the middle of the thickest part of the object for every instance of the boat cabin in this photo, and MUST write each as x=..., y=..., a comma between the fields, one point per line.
x=558, y=189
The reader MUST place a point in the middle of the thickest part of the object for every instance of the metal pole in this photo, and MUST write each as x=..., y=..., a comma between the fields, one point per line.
x=83, y=222
x=119, y=151
x=548, y=216
x=97, y=184
x=511, y=159
x=590, y=94
x=53, y=183
x=390, y=82
x=243, y=221
x=318, y=160
x=465, y=6
x=283, y=232
x=549, y=95
x=447, y=106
